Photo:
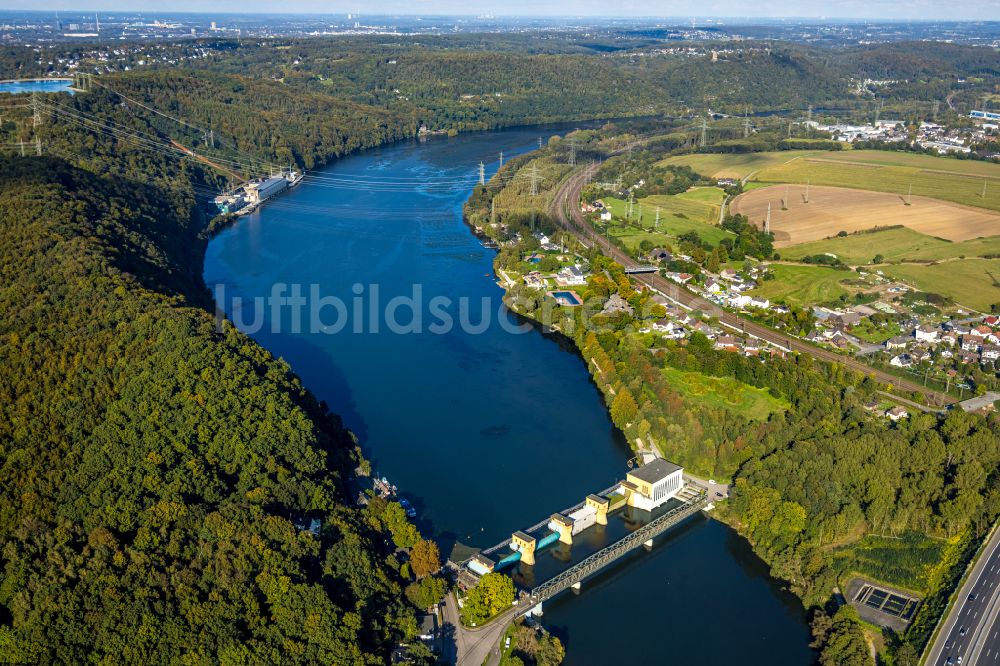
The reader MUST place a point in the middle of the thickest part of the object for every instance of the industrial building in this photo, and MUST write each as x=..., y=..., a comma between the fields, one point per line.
x=250, y=195
x=258, y=192
x=653, y=484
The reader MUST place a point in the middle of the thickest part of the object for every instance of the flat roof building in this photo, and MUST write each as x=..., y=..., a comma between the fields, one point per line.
x=654, y=483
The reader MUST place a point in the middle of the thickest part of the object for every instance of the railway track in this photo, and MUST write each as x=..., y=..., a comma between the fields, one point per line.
x=565, y=209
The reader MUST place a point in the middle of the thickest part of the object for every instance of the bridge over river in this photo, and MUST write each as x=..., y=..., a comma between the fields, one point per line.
x=572, y=545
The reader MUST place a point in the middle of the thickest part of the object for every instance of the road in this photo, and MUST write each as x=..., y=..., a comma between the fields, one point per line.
x=970, y=634
x=566, y=211
x=471, y=647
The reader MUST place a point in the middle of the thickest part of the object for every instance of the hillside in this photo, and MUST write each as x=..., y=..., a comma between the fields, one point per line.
x=153, y=467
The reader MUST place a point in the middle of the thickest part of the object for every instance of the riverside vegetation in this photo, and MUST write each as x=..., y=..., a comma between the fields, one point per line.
x=811, y=480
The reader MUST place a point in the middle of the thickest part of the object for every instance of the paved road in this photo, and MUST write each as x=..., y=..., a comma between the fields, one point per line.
x=471, y=647
x=970, y=634
x=565, y=210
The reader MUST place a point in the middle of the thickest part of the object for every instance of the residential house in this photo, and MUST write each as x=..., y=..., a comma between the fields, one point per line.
x=729, y=274
x=846, y=319
x=898, y=342
x=926, y=333
x=896, y=413
x=902, y=361
x=534, y=280
x=727, y=343
x=572, y=275
x=659, y=254
x=990, y=353
x=971, y=343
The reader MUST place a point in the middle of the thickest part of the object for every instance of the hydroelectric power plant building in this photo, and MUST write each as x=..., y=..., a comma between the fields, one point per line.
x=252, y=194
x=645, y=489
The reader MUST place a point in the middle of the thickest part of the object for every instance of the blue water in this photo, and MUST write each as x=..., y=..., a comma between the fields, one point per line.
x=45, y=86
x=486, y=431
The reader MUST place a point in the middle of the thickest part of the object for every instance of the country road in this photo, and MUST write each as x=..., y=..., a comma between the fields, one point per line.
x=565, y=209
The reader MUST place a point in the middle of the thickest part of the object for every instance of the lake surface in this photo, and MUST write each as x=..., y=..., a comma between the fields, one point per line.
x=485, y=431
x=39, y=85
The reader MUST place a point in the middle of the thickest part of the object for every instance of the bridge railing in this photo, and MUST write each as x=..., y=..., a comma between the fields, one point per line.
x=606, y=556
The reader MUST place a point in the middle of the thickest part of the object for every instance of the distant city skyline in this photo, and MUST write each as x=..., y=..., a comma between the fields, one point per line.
x=733, y=10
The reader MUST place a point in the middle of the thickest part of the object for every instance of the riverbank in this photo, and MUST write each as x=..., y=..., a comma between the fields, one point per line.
x=488, y=429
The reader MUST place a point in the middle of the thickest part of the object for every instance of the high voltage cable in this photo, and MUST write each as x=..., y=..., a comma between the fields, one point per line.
x=150, y=109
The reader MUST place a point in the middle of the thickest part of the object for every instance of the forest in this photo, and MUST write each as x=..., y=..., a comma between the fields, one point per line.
x=160, y=472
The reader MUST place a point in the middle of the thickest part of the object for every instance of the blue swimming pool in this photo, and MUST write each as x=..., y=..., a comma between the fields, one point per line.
x=566, y=297
x=36, y=85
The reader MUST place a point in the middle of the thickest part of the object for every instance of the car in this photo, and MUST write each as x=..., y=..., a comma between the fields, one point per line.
x=959, y=659
x=506, y=644
x=973, y=596
x=718, y=494
x=949, y=645
x=963, y=631
x=949, y=661
x=711, y=482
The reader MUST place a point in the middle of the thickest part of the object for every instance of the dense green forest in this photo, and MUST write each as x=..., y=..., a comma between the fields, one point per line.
x=155, y=469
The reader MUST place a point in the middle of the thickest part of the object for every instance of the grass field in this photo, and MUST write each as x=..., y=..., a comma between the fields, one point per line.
x=725, y=392
x=974, y=283
x=803, y=285
x=678, y=215
x=516, y=195
x=737, y=165
x=951, y=180
x=948, y=179
x=900, y=244
x=830, y=210
x=712, y=196
x=906, y=562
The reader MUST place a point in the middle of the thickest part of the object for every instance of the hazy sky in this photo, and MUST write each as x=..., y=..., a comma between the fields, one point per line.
x=888, y=9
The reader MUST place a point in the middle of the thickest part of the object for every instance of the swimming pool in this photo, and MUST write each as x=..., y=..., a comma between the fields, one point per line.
x=566, y=298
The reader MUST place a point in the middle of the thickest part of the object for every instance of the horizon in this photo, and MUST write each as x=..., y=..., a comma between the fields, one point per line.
x=887, y=11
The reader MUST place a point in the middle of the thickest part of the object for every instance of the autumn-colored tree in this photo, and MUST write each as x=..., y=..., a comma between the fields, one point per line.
x=623, y=408
x=425, y=558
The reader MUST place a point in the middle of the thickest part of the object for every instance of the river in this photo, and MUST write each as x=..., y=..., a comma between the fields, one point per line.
x=485, y=430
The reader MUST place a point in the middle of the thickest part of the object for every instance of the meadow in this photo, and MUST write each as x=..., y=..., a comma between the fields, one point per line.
x=725, y=392
x=941, y=178
x=896, y=244
x=696, y=210
x=974, y=283
x=945, y=178
x=803, y=285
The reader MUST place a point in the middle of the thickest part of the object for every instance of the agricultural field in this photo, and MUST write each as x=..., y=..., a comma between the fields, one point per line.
x=896, y=244
x=830, y=210
x=959, y=182
x=737, y=165
x=973, y=283
x=803, y=285
x=725, y=392
x=949, y=179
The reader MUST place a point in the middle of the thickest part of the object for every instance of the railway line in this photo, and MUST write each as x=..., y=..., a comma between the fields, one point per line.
x=565, y=209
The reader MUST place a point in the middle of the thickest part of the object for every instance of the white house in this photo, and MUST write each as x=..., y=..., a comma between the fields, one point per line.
x=926, y=333
x=572, y=275
x=896, y=413
x=901, y=361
